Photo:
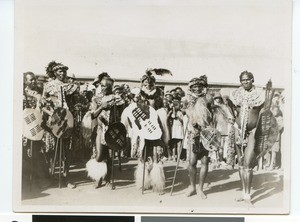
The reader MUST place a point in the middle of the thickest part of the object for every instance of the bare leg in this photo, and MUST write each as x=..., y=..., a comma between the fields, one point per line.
x=241, y=173
x=102, y=154
x=192, y=174
x=249, y=163
x=273, y=161
x=203, y=174
x=178, y=149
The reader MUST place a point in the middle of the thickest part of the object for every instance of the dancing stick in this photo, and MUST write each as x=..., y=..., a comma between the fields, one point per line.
x=119, y=160
x=31, y=166
x=112, y=170
x=178, y=158
x=60, y=161
x=55, y=156
x=144, y=169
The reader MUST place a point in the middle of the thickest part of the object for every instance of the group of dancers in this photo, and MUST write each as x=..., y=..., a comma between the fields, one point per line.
x=153, y=123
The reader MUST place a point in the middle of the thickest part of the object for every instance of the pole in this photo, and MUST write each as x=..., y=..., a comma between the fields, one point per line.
x=60, y=161
x=31, y=167
x=144, y=169
x=55, y=156
x=112, y=170
x=178, y=159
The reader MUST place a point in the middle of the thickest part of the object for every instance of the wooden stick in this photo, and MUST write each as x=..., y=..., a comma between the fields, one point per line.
x=31, y=167
x=178, y=158
x=144, y=168
x=55, y=156
x=112, y=170
x=60, y=160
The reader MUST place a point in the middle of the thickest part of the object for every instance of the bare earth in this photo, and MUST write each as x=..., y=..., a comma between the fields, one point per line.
x=222, y=187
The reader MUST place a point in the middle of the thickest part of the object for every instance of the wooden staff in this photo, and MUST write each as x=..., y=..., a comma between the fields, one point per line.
x=178, y=158
x=144, y=169
x=112, y=170
x=31, y=167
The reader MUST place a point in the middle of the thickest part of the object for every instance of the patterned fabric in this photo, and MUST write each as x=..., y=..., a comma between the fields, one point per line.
x=247, y=100
x=57, y=90
x=231, y=146
x=31, y=99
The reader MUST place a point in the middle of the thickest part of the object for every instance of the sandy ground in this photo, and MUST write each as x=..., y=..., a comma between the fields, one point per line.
x=222, y=187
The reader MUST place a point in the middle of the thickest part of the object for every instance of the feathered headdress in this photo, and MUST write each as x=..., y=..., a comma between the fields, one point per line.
x=149, y=75
x=162, y=72
x=54, y=66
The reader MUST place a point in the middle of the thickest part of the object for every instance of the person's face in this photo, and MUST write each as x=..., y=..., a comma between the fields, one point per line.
x=169, y=98
x=197, y=88
x=60, y=74
x=118, y=92
x=179, y=91
x=225, y=101
x=176, y=104
x=148, y=84
x=218, y=100
x=165, y=102
x=106, y=84
x=173, y=93
x=246, y=82
x=136, y=97
x=31, y=81
x=126, y=88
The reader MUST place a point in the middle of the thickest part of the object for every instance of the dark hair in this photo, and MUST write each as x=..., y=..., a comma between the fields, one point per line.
x=25, y=74
x=102, y=75
x=249, y=74
x=53, y=66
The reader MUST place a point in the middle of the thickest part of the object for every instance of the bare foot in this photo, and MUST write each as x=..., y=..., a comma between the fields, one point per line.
x=191, y=192
x=161, y=193
x=71, y=186
x=248, y=203
x=247, y=200
x=203, y=195
x=98, y=184
x=239, y=199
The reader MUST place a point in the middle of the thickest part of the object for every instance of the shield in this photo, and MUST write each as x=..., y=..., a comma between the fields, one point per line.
x=115, y=136
x=266, y=133
x=211, y=139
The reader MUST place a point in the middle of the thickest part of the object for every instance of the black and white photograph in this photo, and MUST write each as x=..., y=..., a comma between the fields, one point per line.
x=156, y=107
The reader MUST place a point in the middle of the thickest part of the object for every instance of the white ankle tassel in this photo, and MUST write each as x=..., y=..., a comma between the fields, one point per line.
x=157, y=178
x=96, y=170
x=138, y=175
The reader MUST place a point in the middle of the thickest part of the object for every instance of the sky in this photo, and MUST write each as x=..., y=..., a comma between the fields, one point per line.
x=191, y=38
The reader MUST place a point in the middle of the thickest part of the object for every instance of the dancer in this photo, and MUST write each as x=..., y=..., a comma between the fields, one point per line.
x=58, y=119
x=33, y=145
x=197, y=104
x=99, y=166
x=249, y=101
x=151, y=100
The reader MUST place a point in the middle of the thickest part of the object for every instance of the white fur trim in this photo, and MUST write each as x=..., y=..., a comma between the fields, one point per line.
x=96, y=170
x=157, y=178
x=138, y=175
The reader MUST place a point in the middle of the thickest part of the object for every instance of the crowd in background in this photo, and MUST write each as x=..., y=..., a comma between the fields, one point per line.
x=82, y=140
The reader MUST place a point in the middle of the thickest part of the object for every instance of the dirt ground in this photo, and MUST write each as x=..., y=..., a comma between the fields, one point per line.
x=222, y=187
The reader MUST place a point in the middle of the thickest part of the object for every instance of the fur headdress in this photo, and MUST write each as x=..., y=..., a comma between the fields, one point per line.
x=197, y=81
x=54, y=66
